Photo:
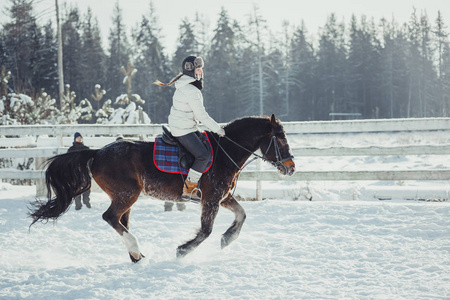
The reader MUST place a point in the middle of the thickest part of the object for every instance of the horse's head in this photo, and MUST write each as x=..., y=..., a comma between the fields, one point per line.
x=275, y=148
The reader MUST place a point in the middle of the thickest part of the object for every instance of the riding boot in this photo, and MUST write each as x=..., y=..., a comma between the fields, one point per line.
x=191, y=192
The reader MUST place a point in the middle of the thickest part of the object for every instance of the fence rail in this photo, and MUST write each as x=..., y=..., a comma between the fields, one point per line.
x=346, y=126
x=419, y=126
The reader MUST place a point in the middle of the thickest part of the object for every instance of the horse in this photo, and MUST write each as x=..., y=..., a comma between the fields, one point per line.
x=125, y=168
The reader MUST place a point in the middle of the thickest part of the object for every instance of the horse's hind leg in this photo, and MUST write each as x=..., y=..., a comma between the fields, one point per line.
x=125, y=219
x=117, y=215
x=233, y=232
x=209, y=213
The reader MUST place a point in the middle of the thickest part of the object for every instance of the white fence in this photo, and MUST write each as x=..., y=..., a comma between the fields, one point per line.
x=47, y=140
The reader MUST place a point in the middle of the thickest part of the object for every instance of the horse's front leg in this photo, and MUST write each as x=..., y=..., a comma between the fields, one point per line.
x=233, y=232
x=209, y=213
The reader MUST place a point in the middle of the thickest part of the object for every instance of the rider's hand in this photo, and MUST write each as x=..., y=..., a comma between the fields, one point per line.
x=221, y=132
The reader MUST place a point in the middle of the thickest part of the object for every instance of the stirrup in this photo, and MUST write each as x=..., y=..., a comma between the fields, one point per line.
x=193, y=200
x=196, y=200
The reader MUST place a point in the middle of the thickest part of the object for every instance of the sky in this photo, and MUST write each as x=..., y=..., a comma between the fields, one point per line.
x=313, y=13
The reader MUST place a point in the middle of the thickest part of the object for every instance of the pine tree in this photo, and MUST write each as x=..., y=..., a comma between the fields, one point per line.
x=441, y=45
x=253, y=65
x=48, y=58
x=363, y=69
x=220, y=69
x=73, y=52
x=3, y=53
x=428, y=99
x=302, y=77
x=446, y=79
x=152, y=64
x=332, y=70
x=393, y=71
x=202, y=33
x=119, y=54
x=274, y=95
x=19, y=44
x=187, y=45
x=414, y=107
x=93, y=57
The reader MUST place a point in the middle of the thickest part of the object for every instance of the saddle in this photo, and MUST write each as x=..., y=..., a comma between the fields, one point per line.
x=171, y=156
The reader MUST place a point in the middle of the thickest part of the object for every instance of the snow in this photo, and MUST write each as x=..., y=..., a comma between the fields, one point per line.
x=347, y=249
x=18, y=99
x=287, y=250
x=354, y=240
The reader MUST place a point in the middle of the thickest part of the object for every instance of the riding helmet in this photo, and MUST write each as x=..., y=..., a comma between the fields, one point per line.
x=191, y=63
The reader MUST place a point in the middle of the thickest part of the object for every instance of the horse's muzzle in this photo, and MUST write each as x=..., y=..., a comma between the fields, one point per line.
x=287, y=167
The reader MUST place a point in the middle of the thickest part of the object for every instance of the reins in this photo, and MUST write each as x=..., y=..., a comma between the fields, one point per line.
x=277, y=163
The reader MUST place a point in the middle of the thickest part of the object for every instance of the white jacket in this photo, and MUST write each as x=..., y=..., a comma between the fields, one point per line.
x=187, y=109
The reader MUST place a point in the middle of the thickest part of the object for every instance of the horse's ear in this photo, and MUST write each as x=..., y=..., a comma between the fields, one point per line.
x=273, y=120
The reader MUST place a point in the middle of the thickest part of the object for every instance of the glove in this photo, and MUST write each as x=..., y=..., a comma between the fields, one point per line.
x=221, y=132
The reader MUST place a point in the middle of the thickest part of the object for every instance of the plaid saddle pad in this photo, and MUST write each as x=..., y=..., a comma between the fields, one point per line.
x=165, y=156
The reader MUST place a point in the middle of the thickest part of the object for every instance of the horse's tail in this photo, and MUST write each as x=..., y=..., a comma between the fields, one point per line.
x=67, y=176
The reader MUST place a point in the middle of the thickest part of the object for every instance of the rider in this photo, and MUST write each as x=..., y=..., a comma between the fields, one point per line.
x=186, y=109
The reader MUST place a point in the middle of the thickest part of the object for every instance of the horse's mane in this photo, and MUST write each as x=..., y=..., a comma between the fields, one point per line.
x=248, y=123
x=253, y=124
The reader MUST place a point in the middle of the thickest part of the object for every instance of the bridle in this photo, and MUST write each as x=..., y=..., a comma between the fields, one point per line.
x=279, y=160
x=278, y=163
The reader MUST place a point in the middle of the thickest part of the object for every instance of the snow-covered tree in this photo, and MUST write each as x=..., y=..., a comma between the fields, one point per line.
x=15, y=108
x=104, y=113
x=71, y=112
x=45, y=109
x=129, y=115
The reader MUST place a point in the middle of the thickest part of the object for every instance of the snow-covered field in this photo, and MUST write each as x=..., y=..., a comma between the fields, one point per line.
x=344, y=244
x=360, y=249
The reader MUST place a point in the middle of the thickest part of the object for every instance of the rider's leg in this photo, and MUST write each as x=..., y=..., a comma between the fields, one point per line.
x=202, y=156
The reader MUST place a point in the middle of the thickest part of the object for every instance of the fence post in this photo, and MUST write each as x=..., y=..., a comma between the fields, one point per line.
x=41, y=189
x=258, y=182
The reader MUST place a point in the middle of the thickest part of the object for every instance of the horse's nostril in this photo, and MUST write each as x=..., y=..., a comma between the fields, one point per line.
x=292, y=171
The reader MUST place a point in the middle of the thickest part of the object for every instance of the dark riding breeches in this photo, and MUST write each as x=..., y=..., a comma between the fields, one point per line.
x=193, y=144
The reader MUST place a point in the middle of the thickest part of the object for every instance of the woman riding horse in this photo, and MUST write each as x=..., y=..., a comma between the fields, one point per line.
x=126, y=168
x=187, y=108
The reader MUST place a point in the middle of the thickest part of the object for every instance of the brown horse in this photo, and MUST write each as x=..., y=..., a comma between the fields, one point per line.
x=124, y=169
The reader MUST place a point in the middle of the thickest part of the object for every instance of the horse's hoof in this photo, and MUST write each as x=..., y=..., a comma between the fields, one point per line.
x=226, y=240
x=223, y=242
x=134, y=259
x=181, y=252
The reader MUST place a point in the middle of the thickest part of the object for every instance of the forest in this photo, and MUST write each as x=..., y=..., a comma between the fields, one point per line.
x=358, y=68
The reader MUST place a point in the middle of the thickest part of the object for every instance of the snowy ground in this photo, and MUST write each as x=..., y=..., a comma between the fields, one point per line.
x=360, y=249
x=344, y=244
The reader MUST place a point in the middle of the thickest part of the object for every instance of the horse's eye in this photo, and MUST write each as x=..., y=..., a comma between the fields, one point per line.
x=283, y=142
